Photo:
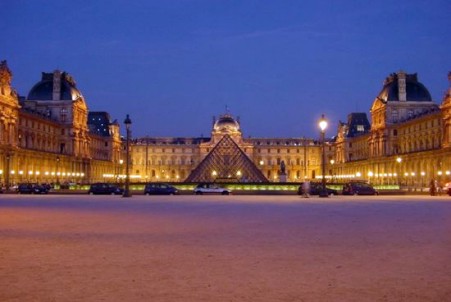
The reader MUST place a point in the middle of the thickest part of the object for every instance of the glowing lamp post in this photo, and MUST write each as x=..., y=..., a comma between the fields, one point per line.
x=399, y=160
x=57, y=171
x=127, y=193
x=323, y=125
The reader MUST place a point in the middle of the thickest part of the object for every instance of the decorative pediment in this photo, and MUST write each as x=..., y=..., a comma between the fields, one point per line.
x=377, y=104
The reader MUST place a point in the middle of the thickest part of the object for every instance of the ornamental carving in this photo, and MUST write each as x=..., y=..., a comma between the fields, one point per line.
x=5, y=74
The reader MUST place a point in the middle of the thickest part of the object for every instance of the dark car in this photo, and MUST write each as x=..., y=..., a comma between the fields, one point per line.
x=31, y=189
x=211, y=188
x=105, y=188
x=315, y=189
x=160, y=189
x=359, y=188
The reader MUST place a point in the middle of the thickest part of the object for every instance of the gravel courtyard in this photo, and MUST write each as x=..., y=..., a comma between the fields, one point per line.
x=224, y=248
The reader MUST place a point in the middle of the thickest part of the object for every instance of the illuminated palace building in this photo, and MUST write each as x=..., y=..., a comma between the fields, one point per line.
x=50, y=136
x=407, y=142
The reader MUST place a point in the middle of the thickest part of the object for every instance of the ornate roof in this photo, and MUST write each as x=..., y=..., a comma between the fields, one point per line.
x=413, y=91
x=43, y=90
x=226, y=123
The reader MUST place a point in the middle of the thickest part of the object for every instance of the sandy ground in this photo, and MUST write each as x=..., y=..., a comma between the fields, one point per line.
x=224, y=248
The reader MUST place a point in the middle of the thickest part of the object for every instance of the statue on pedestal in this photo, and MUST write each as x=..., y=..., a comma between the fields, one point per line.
x=283, y=173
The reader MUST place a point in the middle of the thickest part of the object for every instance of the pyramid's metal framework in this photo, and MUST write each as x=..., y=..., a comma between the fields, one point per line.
x=226, y=163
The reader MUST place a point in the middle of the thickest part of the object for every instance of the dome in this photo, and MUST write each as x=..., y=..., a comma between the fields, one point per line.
x=43, y=90
x=415, y=91
x=226, y=123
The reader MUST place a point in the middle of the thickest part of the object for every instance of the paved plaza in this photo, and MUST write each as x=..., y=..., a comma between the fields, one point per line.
x=225, y=248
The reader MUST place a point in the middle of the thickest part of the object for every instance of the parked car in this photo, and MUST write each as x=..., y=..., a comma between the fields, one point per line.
x=105, y=188
x=447, y=188
x=30, y=188
x=211, y=188
x=315, y=189
x=160, y=189
x=359, y=188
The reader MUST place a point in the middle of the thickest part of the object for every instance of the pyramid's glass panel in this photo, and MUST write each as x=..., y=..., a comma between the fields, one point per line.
x=226, y=163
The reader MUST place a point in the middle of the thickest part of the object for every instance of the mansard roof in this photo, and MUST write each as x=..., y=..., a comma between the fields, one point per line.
x=98, y=122
x=43, y=90
x=415, y=91
x=358, y=124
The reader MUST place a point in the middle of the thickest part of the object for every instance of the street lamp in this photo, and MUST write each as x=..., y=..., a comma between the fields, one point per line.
x=399, y=160
x=332, y=162
x=57, y=171
x=119, y=173
x=7, y=175
x=127, y=193
x=323, y=125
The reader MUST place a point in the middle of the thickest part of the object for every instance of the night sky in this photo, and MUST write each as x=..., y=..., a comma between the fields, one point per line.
x=278, y=65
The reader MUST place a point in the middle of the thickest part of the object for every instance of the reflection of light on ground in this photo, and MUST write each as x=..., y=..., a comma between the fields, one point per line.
x=217, y=248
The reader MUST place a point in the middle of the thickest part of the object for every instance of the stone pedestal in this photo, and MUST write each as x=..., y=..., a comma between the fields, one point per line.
x=283, y=177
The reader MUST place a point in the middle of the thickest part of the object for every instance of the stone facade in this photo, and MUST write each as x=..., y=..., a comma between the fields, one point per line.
x=173, y=159
x=409, y=139
x=50, y=136
x=45, y=137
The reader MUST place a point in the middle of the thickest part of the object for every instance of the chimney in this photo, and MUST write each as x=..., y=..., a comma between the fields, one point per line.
x=402, y=95
x=56, y=85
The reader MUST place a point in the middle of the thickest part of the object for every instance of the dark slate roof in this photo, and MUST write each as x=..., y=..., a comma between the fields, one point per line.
x=415, y=91
x=358, y=124
x=43, y=90
x=98, y=122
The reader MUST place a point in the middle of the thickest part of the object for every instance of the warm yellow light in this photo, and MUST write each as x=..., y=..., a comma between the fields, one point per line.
x=82, y=174
x=58, y=173
x=46, y=173
x=413, y=173
x=399, y=160
x=13, y=172
x=53, y=173
x=322, y=123
x=406, y=174
x=30, y=172
x=423, y=173
x=358, y=174
x=121, y=161
x=1, y=172
x=261, y=163
x=370, y=174
x=332, y=161
x=447, y=172
x=214, y=173
x=439, y=173
x=38, y=173
x=20, y=172
x=238, y=173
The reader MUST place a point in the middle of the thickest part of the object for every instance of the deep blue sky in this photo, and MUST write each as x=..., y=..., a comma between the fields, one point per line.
x=278, y=65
